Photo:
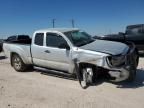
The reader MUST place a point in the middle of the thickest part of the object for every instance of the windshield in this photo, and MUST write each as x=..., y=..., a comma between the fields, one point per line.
x=79, y=38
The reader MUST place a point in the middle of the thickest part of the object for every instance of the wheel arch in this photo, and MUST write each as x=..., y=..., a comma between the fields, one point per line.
x=14, y=53
x=84, y=64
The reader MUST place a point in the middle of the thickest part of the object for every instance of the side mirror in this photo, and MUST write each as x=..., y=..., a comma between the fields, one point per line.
x=64, y=46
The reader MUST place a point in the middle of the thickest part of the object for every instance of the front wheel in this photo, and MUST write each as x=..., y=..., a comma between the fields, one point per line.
x=87, y=75
x=17, y=63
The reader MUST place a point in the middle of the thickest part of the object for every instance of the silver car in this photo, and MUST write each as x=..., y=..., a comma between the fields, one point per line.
x=75, y=52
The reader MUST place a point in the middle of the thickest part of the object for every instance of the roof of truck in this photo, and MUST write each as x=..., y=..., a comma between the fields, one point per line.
x=58, y=29
x=135, y=26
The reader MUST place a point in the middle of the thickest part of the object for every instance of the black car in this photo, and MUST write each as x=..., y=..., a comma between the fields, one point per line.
x=19, y=39
x=1, y=45
x=133, y=33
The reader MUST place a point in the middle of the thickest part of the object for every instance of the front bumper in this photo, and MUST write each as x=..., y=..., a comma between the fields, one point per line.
x=120, y=75
x=123, y=72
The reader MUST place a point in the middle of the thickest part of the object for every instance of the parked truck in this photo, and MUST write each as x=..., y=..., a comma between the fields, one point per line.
x=133, y=33
x=75, y=52
x=1, y=45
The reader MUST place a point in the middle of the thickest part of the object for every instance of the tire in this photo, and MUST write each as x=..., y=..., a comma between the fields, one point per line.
x=18, y=64
x=87, y=76
x=132, y=74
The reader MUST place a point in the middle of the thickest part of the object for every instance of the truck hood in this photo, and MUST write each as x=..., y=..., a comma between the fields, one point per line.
x=109, y=47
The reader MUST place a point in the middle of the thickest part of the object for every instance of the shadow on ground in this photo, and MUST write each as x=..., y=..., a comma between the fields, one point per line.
x=2, y=57
x=55, y=74
x=139, y=82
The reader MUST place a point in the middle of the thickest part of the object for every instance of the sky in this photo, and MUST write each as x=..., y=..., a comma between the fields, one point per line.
x=97, y=17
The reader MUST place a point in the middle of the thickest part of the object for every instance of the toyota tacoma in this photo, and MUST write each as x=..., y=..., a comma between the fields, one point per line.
x=74, y=51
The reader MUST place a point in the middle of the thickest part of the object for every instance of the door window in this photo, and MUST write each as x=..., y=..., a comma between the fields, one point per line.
x=54, y=40
x=39, y=38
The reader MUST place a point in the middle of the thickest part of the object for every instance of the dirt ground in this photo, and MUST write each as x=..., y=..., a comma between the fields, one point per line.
x=36, y=90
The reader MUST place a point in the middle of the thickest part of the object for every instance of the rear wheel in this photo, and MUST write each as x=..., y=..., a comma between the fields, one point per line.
x=18, y=64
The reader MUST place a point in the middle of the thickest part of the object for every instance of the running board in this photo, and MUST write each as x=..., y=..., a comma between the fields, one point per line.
x=56, y=73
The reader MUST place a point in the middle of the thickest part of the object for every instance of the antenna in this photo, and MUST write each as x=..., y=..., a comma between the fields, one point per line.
x=73, y=23
x=53, y=22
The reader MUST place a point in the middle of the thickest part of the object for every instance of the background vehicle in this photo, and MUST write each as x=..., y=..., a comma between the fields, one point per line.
x=1, y=45
x=24, y=39
x=75, y=52
x=133, y=33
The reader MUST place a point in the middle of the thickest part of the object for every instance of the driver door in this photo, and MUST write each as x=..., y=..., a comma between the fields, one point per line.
x=54, y=56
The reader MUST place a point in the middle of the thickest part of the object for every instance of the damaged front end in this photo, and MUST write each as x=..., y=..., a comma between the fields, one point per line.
x=123, y=67
x=120, y=65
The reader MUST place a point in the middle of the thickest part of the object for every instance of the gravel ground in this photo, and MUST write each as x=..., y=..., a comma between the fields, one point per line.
x=35, y=90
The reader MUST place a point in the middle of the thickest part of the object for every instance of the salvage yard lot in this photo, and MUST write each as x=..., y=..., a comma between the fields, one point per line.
x=35, y=90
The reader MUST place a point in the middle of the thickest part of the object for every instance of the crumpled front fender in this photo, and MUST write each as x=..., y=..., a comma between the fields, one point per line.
x=95, y=58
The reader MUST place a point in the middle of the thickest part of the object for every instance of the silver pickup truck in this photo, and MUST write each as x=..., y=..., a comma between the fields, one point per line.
x=74, y=51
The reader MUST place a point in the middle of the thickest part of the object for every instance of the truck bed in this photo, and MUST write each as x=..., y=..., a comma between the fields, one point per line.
x=23, y=49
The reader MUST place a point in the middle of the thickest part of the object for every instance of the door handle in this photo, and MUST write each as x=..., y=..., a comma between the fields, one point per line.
x=47, y=51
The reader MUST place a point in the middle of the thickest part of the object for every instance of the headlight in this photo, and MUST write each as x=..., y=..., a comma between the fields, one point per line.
x=117, y=61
